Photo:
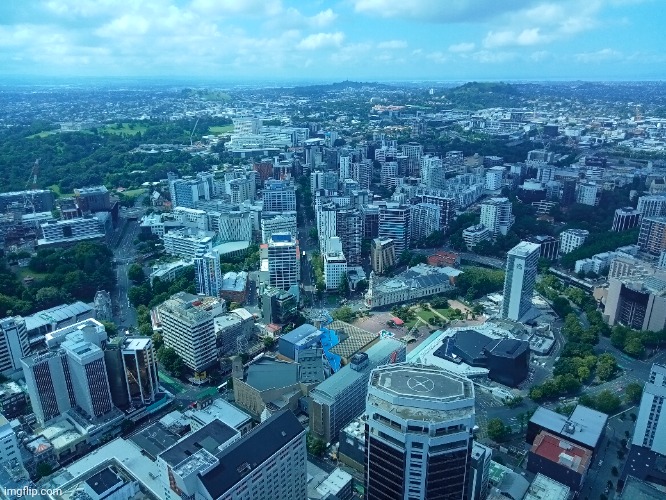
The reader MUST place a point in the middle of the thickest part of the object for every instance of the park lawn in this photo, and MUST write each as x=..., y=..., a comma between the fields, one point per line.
x=125, y=129
x=221, y=129
x=46, y=133
x=56, y=189
x=24, y=272
x=426, y=315
x=133, y=193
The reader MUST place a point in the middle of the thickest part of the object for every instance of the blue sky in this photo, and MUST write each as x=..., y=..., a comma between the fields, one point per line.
x=444, y=40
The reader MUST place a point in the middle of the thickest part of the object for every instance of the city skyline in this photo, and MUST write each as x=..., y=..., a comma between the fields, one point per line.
x=380, y=40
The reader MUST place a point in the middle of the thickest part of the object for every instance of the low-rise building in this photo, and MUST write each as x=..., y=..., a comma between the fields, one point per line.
x=230, y=327
x=561, y=460
x=572, y=239
x=416, y=282
x=234, y=287
x=474, y=235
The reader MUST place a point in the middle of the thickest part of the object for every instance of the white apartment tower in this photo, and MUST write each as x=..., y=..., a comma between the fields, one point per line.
x=14, y=343
x=521, y=272
x=284, y=268
x=496, y=215
x=588, y=193
x=494, y=176
x=424, y=219
x=572, y=239
x=335, y=264
x=419, y=423
x=652, y=205
x=188, y=328
x=650, y=429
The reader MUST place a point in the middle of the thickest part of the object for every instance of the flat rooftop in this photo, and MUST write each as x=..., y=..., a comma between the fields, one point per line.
x=212, y=438
x=562, y=452
x=155, y=439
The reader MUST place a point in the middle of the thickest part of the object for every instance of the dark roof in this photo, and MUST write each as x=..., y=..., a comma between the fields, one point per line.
x=210, y=437
x=509, y=348
x=245, y=455
x=155, y=439
x=268, y=373
x=103, y=480
x=472, y=343
x=645, y=464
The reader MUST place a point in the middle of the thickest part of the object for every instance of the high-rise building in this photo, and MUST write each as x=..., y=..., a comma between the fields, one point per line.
x=187, y=327
x=572, y=239
x=335, y=264
x=284, y=269
x=496, y=215
x=648, y=444
x=345, y=167
x=72, y=375
x=479, y=473
x=419, y=423
x=521, y=272
x=626, y=218
x=362, y=173
x=9, y=446
x=208, y=274
x=652, y=235
x=653, y=205
x=432, y=171
x=637, y=302
x=140, y=367
x=494, y=177
x=279, y=196
x=186, y=245
x=549, y=246
x=93, y=199
x=327, y=219
x=349, y=228
x=447, y=205
x=341, y=397
x=383, y=256
x=473, y=235
x=394, y=224
x=273, y=222
x=14, y=343
x=424, y=219
x=588, y=193
x=235, y=225
x=188, y=192
x=370, y=215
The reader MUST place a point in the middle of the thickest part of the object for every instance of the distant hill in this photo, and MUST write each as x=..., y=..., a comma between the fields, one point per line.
x=479, y=95
x=338, y=86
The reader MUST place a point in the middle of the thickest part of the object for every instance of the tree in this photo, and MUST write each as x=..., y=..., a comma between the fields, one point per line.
x=633, y=393
x=362, y=286
x=607, y=402
x=171, y=361
x=634, y=347
x=135, y=273
x=614, y=471
x=44, y=469
x=497, y=431
x=111, y=328
x=344, y=314
x=269, y=343
x=343, y=287
x=233, y=306
x=315, y=446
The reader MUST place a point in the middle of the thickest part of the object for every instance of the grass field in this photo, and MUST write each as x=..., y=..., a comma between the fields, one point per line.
x=133, y=193
x=128, y=129
x=56, y=189
x=221, y=129
x=46, y=133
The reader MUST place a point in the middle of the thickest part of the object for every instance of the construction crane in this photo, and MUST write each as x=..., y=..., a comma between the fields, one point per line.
x=30, y=186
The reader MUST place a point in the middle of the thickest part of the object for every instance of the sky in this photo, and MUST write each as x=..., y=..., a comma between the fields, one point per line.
x=368, y=40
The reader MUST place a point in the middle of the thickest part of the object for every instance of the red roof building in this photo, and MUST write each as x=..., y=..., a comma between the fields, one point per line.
x=444, y=259
x=559, y=459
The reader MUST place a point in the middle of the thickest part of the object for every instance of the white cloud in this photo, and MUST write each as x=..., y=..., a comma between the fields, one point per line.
x=598, y=56
x=437, y=57
x=462, y=47
x=321, y=40
x=489, y=57
x=526, y=37
x=440, y=10
x=392, y=44
x=322, y=19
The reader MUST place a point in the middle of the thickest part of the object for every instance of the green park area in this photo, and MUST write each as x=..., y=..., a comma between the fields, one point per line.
x=221, y=129
x=125, y=128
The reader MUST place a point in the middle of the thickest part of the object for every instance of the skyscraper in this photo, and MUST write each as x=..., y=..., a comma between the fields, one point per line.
x=187, y=327
x=418, y=433
x=496, y=215
x=14, y=343
x=284, y=268
x=394, y=224
x=208, y=274
x=521, y=272
x=72, y=376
